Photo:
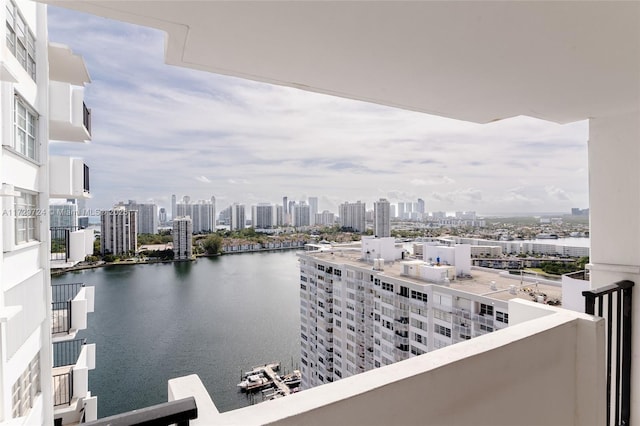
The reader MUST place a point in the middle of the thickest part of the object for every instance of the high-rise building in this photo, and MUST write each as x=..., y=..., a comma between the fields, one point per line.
x=285, y=205
x=382, y=218
x=313, y=210
x=202, y=213
x=355, y=318
x=326, y=218
x=147, y=216
x=174, y=212
x=182, y=233
x=63, y=215
x=119, y=233
x=162, y=216
x=352, y=216
x=301, y=214
x=238, y=218
x=263, y=216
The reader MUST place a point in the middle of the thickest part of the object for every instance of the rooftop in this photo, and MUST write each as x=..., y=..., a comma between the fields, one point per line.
x=479, y=284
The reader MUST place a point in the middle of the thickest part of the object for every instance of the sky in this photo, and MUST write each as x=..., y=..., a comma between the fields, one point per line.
x=159, y=130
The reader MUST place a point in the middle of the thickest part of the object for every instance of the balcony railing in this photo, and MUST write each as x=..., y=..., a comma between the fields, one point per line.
x=60, y=245
x=85, y=185
x=179, y=412
x=62, y=388
x=67, y=352
x=618, y=317
x=62, y=295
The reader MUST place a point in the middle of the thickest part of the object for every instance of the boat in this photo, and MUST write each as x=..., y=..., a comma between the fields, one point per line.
x=253, y=381
x=547, y=236
x=292, y=380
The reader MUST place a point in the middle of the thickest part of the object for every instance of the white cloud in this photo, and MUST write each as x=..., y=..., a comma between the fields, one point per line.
x=238, y=136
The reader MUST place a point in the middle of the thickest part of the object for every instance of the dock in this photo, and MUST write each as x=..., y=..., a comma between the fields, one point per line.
x=275, y=386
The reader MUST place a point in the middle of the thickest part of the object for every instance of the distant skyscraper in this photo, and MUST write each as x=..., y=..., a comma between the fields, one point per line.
x=420, y=208
x=393, y=211
x=263, y=216
x=326, y=218
x=63, y=215
x=147, y=216
x=202, y=213
x=118, y=231
x=313, y=210
x=174, y=212
x=301, y=214
x=162, y=216
x=182, y=233
x=238, y=219
x=285, y=205
x=352, y=216
x=382, y=218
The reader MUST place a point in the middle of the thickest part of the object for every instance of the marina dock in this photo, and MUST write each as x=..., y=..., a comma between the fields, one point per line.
x=267, y=379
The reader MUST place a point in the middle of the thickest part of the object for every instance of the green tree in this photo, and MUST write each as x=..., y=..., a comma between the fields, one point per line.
x=212, y=244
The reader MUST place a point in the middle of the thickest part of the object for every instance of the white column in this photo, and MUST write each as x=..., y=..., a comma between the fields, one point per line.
x=614, y=202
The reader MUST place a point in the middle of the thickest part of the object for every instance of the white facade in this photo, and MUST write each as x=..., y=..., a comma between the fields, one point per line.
x=41, y=98
x=382, y=218
x=182, y=233
x=352, y=216
x=202, y=213
x=147, y=216
x=458, y=255
x=238, y=219
x=118, y=231
x=326, y=218
x=355, y=318
x=313, y=210
x=301, y=214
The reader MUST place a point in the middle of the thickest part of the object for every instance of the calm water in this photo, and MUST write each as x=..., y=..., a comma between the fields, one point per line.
x=213, y=317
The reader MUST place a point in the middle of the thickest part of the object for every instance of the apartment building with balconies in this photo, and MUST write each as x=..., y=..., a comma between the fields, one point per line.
x=359, y=312
x=42, y=98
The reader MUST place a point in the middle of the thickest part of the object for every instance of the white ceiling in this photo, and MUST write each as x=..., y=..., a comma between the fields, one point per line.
x=477, y=61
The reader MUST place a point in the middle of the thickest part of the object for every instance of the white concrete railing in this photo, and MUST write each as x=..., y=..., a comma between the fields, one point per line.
x=546, y=368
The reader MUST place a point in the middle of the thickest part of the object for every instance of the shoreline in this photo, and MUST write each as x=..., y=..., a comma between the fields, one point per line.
x=100, y=264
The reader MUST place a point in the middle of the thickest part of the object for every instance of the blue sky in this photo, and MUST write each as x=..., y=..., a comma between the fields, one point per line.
x=160, y=130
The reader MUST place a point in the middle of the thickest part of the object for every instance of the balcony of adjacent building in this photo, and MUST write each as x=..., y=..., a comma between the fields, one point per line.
x=70, y=245
x=69, y=117
x=68, y=178
x=72, y=400
x=71, y=302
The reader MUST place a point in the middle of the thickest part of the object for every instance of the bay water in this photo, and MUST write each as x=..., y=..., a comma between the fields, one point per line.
x=213, y=317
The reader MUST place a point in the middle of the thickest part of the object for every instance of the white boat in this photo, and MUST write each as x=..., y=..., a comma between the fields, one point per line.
x=253, y=381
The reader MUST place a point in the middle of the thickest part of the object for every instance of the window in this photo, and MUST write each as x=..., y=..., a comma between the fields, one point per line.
x=442, y=330
x=321, y=268
x=26, y=213
x=418, y=295
x=387, y=286
x=486, y=309
x=486, y=328
x=502, y=317
x=25, y=124
x=20, y=40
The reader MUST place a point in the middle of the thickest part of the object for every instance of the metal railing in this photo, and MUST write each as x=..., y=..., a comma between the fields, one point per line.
x=67, y=352
x=62, y=295
x=178, y=412
x=63, y=389
x=60, y=242
x=618, y=298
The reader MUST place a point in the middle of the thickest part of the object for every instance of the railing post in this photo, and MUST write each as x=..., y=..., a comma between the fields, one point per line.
x=589, y=302
x=626, y=356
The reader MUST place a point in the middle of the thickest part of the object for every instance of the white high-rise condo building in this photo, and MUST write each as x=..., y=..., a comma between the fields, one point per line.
x=202, y=213
x=573, y=73
x=382, y=218
x=352, y=216
x=41, y=99
x=147, y=216
x=301, y=214
x=313, y=210
x=237, y=215
x=182, y=233
x=365, y=306
x=119, y=233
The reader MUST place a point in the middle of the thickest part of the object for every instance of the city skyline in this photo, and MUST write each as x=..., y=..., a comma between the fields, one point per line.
x=160, y=130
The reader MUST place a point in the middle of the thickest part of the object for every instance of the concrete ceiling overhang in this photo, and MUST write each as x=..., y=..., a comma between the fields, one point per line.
x=476, y=61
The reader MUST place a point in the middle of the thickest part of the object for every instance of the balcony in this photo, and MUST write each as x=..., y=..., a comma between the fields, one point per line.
x=72, y=360
x=69, y=117
x=70, y=245
x=69, y=308
x=543, y=345
x=68, y=178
